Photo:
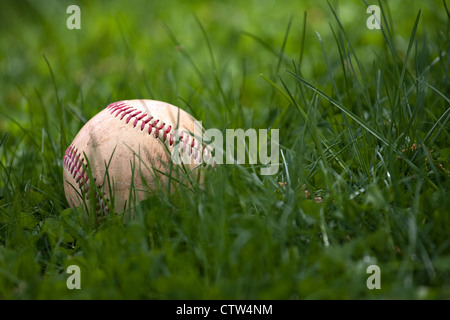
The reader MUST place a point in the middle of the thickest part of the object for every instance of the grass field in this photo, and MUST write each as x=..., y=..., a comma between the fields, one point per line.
x=364, y=149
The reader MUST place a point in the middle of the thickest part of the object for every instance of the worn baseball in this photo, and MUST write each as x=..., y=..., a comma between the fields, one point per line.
x=126, y=147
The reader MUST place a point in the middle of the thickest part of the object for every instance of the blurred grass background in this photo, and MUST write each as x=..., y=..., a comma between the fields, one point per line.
x=228, y=64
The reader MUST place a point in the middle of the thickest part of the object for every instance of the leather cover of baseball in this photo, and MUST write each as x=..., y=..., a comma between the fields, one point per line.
x=129, y=142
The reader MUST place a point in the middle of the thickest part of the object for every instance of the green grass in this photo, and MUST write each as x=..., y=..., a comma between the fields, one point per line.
x=363, y=118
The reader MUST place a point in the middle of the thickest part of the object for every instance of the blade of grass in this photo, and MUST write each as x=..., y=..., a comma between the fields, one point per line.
x=347, y=124
x=60, y=110
x=357, y=119
x=213, y=63
x=280, y=55
x=302, y=42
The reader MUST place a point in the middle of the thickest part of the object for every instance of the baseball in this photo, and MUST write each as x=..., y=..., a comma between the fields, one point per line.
x=127, y=147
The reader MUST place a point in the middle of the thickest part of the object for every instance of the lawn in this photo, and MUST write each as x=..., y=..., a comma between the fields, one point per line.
x=363, y=174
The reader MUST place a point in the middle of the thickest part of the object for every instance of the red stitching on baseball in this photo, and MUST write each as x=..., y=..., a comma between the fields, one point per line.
x=73, y=162
x=145, y=122
x=150, y=127
x=139, y=118
x=134, y=114
x=122, y=108
x=159, y=128
x=126, y=112
x=116, y=105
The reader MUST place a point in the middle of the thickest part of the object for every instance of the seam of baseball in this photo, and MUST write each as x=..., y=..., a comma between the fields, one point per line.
x=74, y=163
x=155, y=126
